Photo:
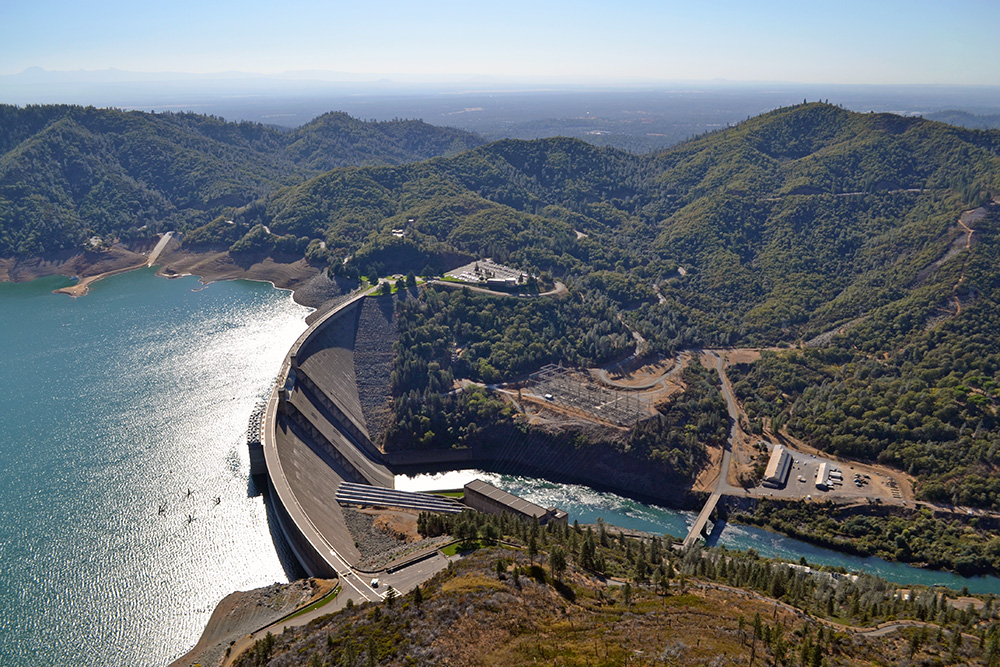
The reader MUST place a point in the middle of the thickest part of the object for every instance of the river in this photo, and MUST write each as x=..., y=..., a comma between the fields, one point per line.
x=586, y=505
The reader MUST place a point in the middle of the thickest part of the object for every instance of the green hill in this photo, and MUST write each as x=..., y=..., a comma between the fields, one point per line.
x=68, y=173
x=809, y=224
x=784, y=224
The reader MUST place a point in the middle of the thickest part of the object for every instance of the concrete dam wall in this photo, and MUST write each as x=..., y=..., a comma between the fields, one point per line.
x=315, y=437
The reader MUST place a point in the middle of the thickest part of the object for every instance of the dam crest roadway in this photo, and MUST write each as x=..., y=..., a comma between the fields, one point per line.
x=315, y=445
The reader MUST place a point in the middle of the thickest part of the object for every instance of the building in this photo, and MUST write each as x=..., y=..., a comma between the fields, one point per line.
x=822, y=473
x=485, y=497
x=778, y=467
x=503, y=284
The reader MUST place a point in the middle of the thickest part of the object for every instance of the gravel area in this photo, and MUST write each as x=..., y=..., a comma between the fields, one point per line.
x=373, y=357
x=320, y=289
x=376, y=547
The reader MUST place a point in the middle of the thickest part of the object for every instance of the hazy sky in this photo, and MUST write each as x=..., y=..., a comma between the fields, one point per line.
x=835, y=41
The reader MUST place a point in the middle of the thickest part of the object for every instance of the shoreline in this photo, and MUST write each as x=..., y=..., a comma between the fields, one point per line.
x=82, y=286
x=308, y=284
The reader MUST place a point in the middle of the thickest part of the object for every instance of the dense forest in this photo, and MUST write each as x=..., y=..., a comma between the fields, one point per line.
x=965, y=544
x=68, y=173
x=450, y=335
x=914, y=384
x=773, y=230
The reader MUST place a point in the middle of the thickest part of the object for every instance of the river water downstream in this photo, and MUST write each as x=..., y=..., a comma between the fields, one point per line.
x=586, y=505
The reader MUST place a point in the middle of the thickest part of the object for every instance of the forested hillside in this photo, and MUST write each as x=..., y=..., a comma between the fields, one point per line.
x=546, y=598
x=806, y=223
x=787, y=223
x=68, y=173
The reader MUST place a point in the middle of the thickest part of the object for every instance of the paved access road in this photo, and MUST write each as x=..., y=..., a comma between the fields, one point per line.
x=158, y=248
x=723, y=487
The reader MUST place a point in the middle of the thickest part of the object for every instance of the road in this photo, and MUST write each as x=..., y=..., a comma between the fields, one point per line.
x=558, y=289
x=722, y=486
x=602, y=374
x=158, y=248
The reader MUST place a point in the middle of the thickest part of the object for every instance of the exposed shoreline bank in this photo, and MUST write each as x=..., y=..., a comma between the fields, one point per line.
x=308, y=284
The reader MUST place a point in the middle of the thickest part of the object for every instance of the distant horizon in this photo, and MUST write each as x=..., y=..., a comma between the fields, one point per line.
x=602, y=113
x=855, y=42
x=305, y=76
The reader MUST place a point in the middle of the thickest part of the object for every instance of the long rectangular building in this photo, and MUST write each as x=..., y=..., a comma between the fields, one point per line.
x=778, y=467
x=821, y=475
x=485, y=497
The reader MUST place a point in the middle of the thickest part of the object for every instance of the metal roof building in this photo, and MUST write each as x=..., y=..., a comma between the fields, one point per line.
x=778, y=467
x=485, y=497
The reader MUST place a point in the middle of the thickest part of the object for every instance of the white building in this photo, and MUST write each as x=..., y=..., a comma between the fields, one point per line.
x=822, y=473
x=778, y=467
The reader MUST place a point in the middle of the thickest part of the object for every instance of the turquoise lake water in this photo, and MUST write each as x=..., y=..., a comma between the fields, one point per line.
x=111, y=406
x=120, y=402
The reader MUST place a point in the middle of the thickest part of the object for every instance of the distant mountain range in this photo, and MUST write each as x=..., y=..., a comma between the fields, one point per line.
x=966, y=119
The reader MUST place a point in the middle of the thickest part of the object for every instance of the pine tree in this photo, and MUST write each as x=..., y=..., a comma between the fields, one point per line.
x=557, y=561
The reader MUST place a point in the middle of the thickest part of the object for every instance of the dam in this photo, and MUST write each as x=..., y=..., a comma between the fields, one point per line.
x=314, y=438
x=315, y=444
x=313, y=441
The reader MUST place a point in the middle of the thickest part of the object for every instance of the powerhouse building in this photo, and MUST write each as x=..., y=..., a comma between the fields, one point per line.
x=484, y=497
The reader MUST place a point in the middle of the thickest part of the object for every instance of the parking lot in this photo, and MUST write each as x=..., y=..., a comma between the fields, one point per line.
x=802, y=481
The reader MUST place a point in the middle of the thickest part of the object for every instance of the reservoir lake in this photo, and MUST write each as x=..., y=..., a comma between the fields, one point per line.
x=112, y=406
x=136, y=398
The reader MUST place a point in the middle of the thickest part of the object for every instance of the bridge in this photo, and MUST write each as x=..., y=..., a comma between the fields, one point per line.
x=699, y=525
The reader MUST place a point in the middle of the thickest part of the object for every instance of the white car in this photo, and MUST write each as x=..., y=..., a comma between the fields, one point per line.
x=374, y=583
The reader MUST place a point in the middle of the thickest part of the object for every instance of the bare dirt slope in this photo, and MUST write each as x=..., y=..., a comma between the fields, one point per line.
x=219, y=265
x=71, y=263
x=241, y=613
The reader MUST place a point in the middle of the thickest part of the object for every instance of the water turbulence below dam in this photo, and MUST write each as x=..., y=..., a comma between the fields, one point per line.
x=126, y=510
x=586, y=505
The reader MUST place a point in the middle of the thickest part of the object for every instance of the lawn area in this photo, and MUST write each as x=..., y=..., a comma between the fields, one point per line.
x=448, y=494
x=453, y=549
